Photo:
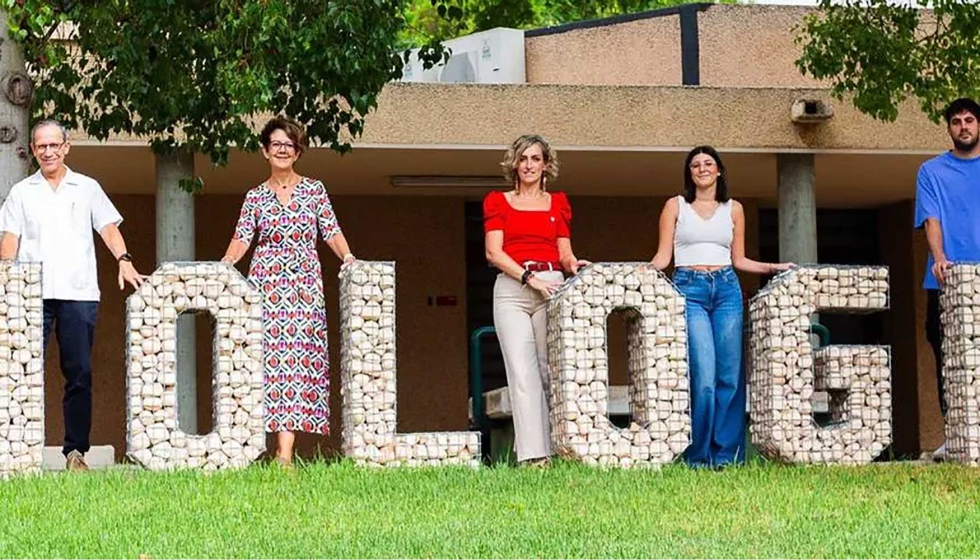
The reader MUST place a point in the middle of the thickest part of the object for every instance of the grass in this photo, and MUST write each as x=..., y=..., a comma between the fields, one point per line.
x=334, y=509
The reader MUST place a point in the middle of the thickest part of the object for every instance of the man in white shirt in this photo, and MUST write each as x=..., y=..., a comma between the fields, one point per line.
x=48, y=218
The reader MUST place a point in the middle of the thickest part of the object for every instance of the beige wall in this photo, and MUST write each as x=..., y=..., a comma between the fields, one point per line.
x=751, y=46
x=617, y=86
x=739, y=46
x=756, y=119
x=669, y=118
x=615, y=230
x=642, y=52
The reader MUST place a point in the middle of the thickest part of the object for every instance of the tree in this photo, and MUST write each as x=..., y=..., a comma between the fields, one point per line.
x=426, y=20
x=191, y=77
x=16, y=95
x=882, y=53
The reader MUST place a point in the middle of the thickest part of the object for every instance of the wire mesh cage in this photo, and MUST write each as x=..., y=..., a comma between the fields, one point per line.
x=784, y=370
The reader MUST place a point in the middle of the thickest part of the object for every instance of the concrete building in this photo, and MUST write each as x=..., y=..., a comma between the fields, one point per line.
x=623, y=99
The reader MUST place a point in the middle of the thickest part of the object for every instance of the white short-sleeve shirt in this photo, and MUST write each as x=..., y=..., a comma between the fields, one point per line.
x=55, y=228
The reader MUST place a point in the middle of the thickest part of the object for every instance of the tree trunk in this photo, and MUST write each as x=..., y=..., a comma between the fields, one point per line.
x=16, y=93
x=175, y=242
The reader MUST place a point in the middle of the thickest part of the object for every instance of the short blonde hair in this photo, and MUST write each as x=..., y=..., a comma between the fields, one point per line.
x=512, y=157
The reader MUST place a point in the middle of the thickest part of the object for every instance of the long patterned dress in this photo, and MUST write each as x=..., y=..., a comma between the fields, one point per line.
x=286, y=268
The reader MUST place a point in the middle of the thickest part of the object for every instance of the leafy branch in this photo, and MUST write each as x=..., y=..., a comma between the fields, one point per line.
x=881, y=53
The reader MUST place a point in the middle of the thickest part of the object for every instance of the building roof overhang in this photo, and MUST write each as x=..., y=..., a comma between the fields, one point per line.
x=613, y=140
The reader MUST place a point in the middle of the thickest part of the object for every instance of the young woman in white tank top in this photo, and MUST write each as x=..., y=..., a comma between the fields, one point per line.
x=704, y=230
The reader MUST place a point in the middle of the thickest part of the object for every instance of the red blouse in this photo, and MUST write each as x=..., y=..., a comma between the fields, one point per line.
x=529, y=235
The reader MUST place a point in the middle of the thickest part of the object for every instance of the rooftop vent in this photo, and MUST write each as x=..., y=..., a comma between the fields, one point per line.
x=808, y=111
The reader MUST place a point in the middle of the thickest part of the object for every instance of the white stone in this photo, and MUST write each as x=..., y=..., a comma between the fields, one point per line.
x=784, y=372
x=581, y=397
x=155, y=441
x=368, y=378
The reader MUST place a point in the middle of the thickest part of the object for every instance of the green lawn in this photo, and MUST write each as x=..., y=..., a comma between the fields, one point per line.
x=334, y=509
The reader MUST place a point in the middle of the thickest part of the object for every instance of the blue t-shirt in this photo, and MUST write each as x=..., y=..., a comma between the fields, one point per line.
x=948, y=189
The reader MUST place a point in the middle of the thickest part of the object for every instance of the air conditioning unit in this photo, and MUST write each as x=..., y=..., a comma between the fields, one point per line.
x=488, y=57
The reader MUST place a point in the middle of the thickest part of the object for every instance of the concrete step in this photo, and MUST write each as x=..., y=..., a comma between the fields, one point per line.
x=98, y=457
x=498, y=407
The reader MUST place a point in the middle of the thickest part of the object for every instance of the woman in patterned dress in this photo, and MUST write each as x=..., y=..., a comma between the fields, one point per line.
x=286, y=211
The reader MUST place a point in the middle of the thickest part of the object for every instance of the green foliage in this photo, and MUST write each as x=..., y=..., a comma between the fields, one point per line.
x=338, y=511
x=883, y=52
x=480, y=15
x=194, y=74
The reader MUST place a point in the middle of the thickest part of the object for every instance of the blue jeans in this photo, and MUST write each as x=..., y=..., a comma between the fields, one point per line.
x=714, y=342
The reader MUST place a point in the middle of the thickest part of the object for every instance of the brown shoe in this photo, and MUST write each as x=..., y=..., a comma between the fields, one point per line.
x=75, y=462
x=539, y=463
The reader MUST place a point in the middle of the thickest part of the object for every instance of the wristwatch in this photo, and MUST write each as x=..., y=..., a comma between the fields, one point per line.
x=125, y=257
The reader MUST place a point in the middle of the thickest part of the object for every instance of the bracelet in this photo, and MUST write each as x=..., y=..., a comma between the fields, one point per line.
x=124, y=257
x=526, y=276
x=349, y=256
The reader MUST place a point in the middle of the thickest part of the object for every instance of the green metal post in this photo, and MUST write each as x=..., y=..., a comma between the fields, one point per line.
x=476, y=375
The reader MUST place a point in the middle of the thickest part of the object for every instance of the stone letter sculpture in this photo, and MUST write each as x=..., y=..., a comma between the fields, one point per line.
x=153, y=437
x=784, y=371
x=368, y=380
x=657, y=367
x=960, y=319
x=21, y=369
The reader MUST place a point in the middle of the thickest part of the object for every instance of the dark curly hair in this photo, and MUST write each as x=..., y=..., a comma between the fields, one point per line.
x=963, y=104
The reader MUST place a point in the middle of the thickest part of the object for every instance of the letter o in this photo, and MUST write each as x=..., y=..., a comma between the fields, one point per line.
x=153, y=438
x=657, y=367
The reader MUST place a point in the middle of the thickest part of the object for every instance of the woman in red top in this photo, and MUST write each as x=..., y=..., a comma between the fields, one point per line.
x=528, y=240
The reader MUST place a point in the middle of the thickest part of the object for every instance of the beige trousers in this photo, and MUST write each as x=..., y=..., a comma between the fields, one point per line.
x=520, y=317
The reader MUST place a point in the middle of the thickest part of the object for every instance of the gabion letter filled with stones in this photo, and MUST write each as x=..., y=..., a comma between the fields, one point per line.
x=960, y=300
x=657, y=367
x=784, y=370
x=21, y=369
x=153, y=438
x=368, y=380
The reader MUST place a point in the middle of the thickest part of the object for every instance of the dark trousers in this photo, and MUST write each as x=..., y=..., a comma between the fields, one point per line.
x=74, y=326
x=934, y=334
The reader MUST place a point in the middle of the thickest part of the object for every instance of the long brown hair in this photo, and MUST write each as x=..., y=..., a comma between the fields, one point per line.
x=690, y=189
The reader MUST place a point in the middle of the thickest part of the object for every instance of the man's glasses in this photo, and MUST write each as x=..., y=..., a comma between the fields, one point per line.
x=52, y=147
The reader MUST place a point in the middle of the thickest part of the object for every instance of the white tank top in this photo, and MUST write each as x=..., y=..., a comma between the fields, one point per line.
x=703, y=242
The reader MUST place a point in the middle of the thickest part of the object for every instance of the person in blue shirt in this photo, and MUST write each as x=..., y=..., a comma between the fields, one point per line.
x=947, y=204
